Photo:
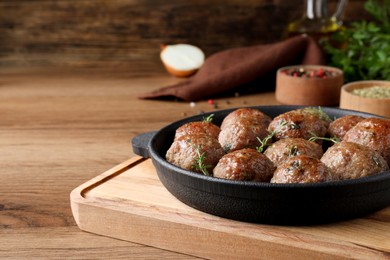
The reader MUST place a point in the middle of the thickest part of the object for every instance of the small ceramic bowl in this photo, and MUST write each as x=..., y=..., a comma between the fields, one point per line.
x=309, y=85
x=378, y=106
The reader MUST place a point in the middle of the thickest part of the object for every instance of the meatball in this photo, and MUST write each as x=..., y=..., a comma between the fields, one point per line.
x=241, y=128
x=198, y=127
x=349, y=160
x=341, y=125
x=245, y=112
x=283, y=149
x=245, y=165
x=199, y=153
x=374, y=133
x=302, y=169
x=300, y=123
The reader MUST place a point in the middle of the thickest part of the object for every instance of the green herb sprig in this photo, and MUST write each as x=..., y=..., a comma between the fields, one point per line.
x=319, y=112
x=333, y=139
x=265, y=141
x=208, y=119
x=365, y=55
x=199, y=164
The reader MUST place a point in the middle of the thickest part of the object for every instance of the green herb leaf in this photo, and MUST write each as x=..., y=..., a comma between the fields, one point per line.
x=266, y=141
x=199, y=162
x=367, y=45
x=208, y=119
x=314, y=138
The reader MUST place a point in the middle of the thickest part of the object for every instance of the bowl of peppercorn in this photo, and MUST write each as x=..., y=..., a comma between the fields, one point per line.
x=309, y=85
x=371, y=96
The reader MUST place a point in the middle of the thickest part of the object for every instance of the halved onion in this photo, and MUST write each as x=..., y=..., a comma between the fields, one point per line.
x=182, y=60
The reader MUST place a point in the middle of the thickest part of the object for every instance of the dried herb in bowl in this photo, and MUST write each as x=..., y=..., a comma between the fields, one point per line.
x=373, y=92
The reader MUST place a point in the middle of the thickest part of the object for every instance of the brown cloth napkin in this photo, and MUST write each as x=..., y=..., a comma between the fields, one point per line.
x=232, y=68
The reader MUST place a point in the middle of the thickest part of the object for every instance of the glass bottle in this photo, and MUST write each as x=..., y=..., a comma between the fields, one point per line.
x=316, y=21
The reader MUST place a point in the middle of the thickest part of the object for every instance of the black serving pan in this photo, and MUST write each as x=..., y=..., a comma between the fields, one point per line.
x=281, y=204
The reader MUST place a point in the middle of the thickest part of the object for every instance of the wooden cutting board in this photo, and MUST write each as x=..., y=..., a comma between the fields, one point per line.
x=128, y=202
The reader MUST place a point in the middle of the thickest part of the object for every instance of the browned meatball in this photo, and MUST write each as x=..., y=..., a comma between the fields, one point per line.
x=187, y=152
x=283, y=149
x=374, y=133
x=245, y=165
x=245, y=112
x=302, y=169
x=300, y=123
x=241, y=128
x=198, y=127
x=349, y=160
x=341, y=125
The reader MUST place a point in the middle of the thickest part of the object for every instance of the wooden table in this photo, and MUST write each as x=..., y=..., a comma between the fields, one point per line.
x=59, y=129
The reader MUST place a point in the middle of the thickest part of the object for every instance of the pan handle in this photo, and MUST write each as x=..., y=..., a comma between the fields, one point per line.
x=140, y=143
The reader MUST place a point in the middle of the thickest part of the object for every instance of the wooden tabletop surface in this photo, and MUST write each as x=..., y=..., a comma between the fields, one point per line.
x=60, y=129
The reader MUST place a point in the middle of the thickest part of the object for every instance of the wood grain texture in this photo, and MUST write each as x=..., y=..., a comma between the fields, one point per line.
x=132, y=194
x=59, y=129
x=117, y=33
x=70, y=243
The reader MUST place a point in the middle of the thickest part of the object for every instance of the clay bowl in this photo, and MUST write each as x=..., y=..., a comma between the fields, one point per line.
x=378, y=106
x=309, y=90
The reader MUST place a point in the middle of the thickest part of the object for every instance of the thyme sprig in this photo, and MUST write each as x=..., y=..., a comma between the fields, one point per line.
x=319, y=112
x=208, y=119
x=314, y=138
x=199, y=164
x=264, y=142
x=294, y=126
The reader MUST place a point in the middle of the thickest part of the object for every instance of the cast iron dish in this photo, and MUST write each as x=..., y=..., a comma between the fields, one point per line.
x=281, y=204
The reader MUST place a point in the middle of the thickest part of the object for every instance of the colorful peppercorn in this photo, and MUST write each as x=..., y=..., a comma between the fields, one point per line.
x=302, y=72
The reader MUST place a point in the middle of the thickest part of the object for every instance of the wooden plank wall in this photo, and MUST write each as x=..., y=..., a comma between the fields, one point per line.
x=117, y=33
